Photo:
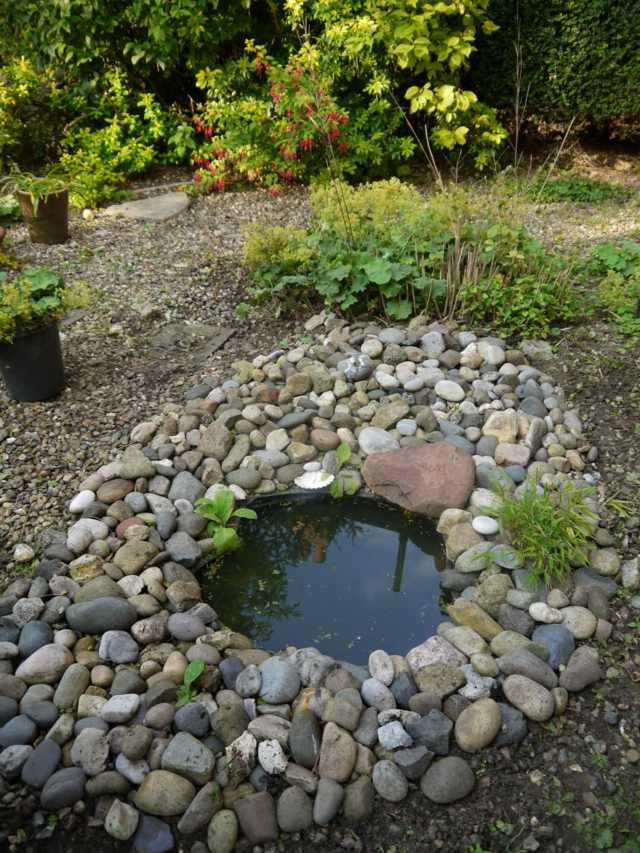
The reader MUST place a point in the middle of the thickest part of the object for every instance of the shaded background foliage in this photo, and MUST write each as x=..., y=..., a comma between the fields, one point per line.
x=132, y=70
x=580, y=58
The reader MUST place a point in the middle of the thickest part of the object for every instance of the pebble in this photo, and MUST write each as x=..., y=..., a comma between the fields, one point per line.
x=448, y=780
x=389, y=781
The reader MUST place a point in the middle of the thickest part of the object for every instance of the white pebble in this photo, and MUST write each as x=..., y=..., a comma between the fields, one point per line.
x=485, y=526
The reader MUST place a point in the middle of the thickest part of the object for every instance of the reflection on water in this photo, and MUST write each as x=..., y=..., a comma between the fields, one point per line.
x=347, y=576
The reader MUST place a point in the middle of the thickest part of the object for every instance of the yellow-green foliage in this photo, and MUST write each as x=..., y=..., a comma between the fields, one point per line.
x=371, y=209
x=279, y=245
x=35, y=298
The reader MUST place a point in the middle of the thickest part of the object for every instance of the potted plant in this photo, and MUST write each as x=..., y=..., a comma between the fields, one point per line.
x=31, y=304
x=44, y=203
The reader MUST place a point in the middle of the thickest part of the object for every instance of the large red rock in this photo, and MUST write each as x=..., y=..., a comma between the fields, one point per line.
x=426, y=480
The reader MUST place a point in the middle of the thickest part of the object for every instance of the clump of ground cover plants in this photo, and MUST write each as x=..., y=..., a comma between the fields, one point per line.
x=386, y=248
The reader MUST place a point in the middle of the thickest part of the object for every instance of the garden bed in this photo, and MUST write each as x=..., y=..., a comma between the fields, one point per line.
x=506, y=809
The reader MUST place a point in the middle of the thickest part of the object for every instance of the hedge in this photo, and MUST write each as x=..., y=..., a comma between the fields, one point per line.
x=581, y=58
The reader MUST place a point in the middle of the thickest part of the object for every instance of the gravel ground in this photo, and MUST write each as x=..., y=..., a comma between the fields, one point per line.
x=144, y=278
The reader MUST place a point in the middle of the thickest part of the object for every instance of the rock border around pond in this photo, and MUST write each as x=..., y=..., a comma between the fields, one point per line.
x=94, y=647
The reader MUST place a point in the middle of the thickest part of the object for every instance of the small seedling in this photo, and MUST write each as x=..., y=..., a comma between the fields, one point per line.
x=242, y=311
x=186, y=693
x=220, y=510
x=342, y=485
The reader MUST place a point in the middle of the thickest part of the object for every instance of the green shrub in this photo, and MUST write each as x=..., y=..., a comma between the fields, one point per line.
x=385, y=248
x=35, y=298
x=550, y=529
x=576, y=188
x=134, y=132
x=31, y=113
x=616, y=267
x=279, y=259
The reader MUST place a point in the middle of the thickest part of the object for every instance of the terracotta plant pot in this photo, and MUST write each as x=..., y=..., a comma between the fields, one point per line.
x=32, y=365
x=49, y=221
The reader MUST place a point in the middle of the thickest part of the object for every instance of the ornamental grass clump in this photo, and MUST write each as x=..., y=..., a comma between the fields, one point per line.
x=550, y=529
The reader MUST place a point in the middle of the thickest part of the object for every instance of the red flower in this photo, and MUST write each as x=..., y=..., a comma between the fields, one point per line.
x=334, y=134
x=306, y=144
x=197, y=177
x=343, y=147
x=275, y=191
x=219, y=185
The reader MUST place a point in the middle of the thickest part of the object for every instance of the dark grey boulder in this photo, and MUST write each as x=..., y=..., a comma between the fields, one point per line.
x=63, y=789
x=100, y=615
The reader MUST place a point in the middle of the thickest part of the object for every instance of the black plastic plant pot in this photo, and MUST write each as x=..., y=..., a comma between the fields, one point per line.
x=32, y=365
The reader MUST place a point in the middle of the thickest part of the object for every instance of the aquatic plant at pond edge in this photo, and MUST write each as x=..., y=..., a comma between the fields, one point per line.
x=219, y=511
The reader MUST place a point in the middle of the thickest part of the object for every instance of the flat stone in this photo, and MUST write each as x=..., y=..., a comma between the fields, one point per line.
x=133, y=556
x=374, y=441
x=514, y=726
x=579, y=621
x=426, y=479
x=329, y=797
x=156, y=208
x=358, y=800
x=434, y=650
x=120, y=709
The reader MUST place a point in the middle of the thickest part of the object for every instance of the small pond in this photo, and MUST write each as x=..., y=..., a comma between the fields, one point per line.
x=346, y=576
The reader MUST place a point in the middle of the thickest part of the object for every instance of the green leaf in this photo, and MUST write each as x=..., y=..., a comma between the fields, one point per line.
x=400, y=310
x=193, y=672
x=245, y=512
x=219, y=508
x=350, y=486
x=335, y=489
x=343, y=452
x=379, y=271
x=226, y=539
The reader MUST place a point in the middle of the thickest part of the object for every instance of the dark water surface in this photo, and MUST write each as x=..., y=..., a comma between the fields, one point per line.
x=346, y=576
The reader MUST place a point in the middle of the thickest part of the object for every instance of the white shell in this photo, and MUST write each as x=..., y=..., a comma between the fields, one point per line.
x=314, y=480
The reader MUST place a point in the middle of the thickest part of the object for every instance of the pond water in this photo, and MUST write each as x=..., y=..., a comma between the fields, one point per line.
x=346, y=576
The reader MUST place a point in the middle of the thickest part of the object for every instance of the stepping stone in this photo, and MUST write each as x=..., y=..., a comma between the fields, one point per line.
x=158, y=208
